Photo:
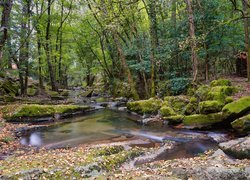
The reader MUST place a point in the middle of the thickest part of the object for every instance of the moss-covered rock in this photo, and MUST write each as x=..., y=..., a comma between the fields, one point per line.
x=207, y=107
x=192, y=106
x=220, y=82
x=237, y=108
x=150, y=106
x=176, y=119
x=202, y=92
x=226, y=90
x=31, y=91
x=202, y=120
x=242, y=124
x=167, y=111
x=30, y=111
x=228, y=100
x=177, y=103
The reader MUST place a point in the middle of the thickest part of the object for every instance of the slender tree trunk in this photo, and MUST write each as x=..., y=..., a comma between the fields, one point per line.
x=39, y=48
x=48, y=49
x=6, y=10
x=154, y=43
x=192, y=39
x=246, y=29
x=24, y=51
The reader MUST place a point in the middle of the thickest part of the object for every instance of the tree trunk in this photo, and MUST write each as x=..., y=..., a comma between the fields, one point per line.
x=192, y=39
x=246, y=29
x=154, y=42
x=6, y=10
x=48, y=49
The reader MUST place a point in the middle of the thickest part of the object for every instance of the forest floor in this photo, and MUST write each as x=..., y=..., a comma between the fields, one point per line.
x=242, y=85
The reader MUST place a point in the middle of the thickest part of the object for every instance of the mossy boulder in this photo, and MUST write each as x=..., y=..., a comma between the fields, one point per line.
x=177, y=103
x=207, y=107
x=202, y=92
x=150, y=106
x=176, y=119
x=192, y=106
x=167, y=111
x=54, y=95
x=32, y=111
x=237, y=108
x=202, y=121
x=242, y=124
x=221, y=82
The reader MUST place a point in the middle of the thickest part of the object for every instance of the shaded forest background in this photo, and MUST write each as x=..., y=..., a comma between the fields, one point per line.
x=136, y=47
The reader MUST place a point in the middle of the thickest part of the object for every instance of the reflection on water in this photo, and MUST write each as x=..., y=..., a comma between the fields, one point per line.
x=107, y=125
x=34, y=140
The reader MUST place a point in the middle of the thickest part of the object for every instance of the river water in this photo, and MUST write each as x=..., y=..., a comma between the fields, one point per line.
x=110, y=126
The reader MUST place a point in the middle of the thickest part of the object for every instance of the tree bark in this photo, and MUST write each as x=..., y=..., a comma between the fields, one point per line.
x=154, y=42
x=7, y=6
x=246, y=29
x=48, y=49
x=192, y=39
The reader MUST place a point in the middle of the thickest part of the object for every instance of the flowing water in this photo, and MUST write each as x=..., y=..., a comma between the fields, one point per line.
x=110, y=126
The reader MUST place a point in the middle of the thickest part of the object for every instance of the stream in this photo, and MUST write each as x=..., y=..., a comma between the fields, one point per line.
x=109, y=126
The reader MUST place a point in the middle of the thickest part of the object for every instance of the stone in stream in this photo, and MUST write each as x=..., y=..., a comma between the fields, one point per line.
x=202, y=121
x=239, y=148
x=242, y=124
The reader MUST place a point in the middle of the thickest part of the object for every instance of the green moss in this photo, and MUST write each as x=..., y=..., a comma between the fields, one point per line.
x=31, y=91
x=193, y=100
x=53, y=93
x=145, y=106
x=217, y=96
x=220, y=82
x=226, y=90
x=228, y=100
x=167, y=111
x=242, y=124
x=115, y=160
x=100, y=100
x=237, y=108
x=64, y=93
x=207, y=107
x=27, y=110
x=202, y=93
x=174, y=119
x=202, y=121
x=177, y=103
x=192, y=106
